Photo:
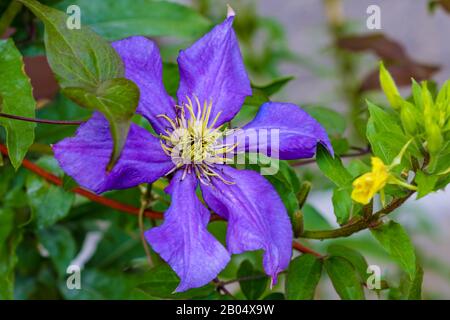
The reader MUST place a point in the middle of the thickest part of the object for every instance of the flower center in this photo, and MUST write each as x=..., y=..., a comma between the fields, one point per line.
x=195, y=144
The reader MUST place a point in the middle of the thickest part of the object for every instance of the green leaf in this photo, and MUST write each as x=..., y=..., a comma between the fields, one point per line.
x=274, y=86
x=333, y=121
x=78, y=57
x=117, y=99
x=313, y=219
x=16, y=98
x=101, y=285
x=61, y=246
x=343, y=204
x=10, y=237
x=353, y=256
x=171, y=78
x=415, y=288
x=344, y=277
x=117, y=19
x=49, y=203
x=340, y=145
x=257, y=98
x=89, y=70
x=332, y=167
x=386, y=136
x=441, y=162
x=303, y=276
x=161, y=281
x=394, y=239
x=274, y=296
x=357, y=167
x=425, y=183
x=252, y=289
x=68, y=183
x=410, y=289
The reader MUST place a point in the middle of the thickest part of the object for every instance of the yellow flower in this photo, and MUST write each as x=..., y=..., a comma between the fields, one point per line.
x=366, y=186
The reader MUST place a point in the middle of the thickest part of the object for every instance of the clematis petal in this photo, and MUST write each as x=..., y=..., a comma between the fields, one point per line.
x=281, y=130
x=183, y=240
x=213, y=71
x=257, y=219
x=143, y=66
x=86, y=156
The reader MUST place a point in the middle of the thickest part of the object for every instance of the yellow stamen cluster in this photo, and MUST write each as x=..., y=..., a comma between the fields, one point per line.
x=193, y=143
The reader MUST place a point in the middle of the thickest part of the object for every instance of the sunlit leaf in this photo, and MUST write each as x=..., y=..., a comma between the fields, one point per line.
x=332, y=167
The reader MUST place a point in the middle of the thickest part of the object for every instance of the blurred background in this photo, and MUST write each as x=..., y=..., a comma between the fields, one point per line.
x=318, y=54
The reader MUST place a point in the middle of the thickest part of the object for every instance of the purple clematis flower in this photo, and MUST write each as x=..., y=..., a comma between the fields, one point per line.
x=213, y=86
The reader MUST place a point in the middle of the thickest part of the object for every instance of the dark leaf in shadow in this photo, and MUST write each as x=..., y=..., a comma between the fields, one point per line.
x=385, y=48
x=400, y=65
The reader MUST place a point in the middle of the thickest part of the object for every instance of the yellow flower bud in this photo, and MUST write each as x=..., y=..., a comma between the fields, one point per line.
x=366, y=186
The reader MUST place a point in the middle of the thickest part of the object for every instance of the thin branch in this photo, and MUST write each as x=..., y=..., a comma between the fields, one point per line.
x=45, y=121
x=360, y=153
x=359, y=225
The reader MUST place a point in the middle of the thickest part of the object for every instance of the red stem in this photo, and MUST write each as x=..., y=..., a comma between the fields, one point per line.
x=50, y=177
x=301, y=248
x=83, y=192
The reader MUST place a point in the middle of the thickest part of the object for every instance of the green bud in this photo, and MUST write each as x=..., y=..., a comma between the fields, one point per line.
x=409, y=117
x=297, y=223
x=443, y=104
x=417, y=94
x=434, y=138
x=302, y=195
x=389, y=88
x=428, y=105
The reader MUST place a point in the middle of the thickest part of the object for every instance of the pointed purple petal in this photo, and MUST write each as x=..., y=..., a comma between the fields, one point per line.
x=143, y=66
x=86, y=156
x=257, y=219
x=284, y=131
x=212, y=69
x=183, y=240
